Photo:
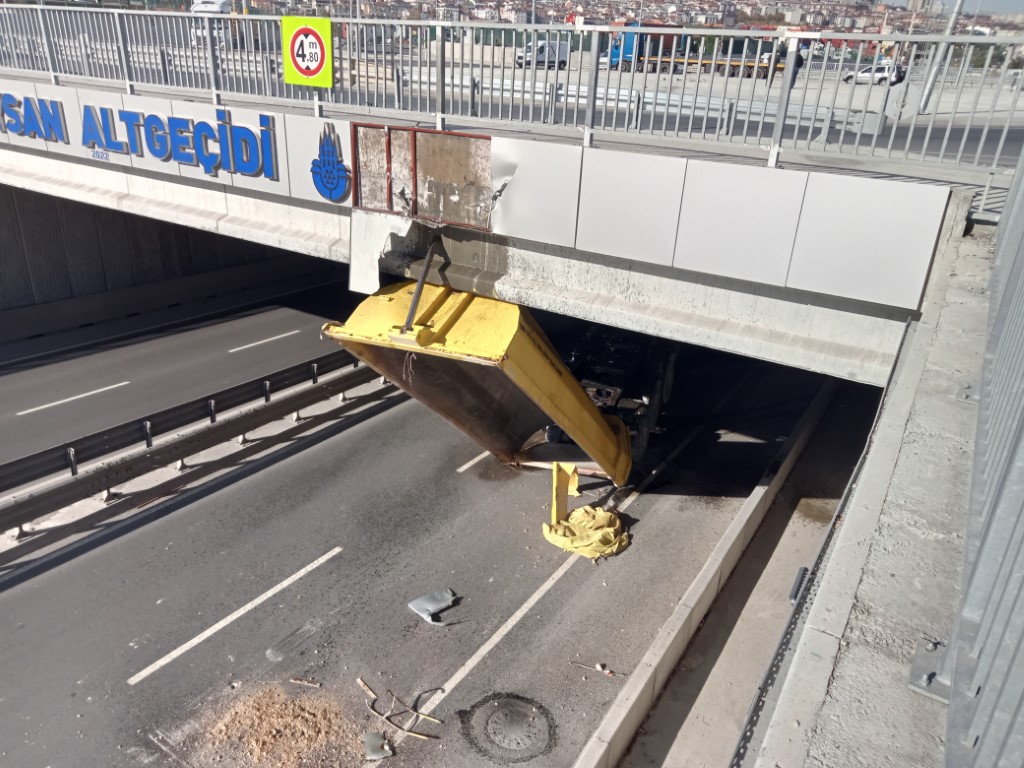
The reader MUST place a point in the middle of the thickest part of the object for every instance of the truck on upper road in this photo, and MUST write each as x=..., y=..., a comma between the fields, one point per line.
x=673, y=52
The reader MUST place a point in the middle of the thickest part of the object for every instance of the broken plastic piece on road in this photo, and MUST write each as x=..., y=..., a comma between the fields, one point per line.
x=376, y=746
x=430, y=604
x=590, y=531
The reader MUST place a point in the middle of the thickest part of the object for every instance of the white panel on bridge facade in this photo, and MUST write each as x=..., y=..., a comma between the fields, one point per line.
x=867, y=239
x=629, y=205
x=72, y=119
x=539, y=185
x=20, y=90
x=303, y=147
x=250, y=118
x=723, y=231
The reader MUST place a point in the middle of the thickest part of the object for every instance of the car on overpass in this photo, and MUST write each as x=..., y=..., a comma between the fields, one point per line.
x=877, y=74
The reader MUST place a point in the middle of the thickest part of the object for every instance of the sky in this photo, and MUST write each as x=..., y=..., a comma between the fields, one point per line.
x=991, y=6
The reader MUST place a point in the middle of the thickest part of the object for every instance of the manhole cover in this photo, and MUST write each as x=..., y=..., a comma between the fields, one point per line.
x=508, y=728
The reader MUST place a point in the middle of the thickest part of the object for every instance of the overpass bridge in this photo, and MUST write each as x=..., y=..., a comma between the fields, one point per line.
x=602, y=194
x=696, y=205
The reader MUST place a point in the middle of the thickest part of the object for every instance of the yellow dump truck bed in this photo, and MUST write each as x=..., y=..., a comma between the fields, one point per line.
x=486, y=367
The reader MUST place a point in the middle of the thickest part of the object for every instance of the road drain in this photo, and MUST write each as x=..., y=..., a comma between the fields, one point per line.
x=508, y=728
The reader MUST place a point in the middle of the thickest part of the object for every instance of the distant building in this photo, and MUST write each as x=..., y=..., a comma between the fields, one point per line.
x=515, y=15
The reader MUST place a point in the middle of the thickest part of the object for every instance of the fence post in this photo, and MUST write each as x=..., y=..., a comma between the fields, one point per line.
x=211, y=58
x=165, y=67
x=439, y=96
x=591, y=119
x=551, y=97
x=782, y=109
x=399, y=87
x=726, y=128
x=122, y=51
x=44, y=34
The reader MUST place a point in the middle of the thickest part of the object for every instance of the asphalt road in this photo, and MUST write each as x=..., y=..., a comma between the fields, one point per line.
x=50, y=401
x=388, y=493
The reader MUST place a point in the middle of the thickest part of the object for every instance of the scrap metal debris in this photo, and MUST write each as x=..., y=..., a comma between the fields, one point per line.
x=433, y=603
x=590, y=531
x=602, y=668
x=390, y=713
x=376, y=746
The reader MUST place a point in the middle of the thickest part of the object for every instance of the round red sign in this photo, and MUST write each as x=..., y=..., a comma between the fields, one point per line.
x=306, y=49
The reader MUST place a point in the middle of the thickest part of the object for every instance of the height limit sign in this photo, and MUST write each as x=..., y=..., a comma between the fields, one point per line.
x=307, y=51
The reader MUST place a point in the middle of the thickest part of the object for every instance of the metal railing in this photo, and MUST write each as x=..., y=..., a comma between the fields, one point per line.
x=67, y=456
x=956, y=103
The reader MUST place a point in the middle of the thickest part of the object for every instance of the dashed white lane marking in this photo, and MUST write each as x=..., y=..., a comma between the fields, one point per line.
x=264, y=341
x=496, y=638
x=471, y=462
x=76, y=397
x=228, y=619
x=433, y=702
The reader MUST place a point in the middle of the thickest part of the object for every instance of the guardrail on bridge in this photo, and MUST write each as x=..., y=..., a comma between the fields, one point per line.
x=951, y=103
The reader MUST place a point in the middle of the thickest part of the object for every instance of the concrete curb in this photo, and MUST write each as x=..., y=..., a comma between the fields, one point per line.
x=613, y=736
x=805, y=688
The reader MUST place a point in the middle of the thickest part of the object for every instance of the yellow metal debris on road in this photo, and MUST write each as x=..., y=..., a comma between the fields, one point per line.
x=590, y=531
x=565, y=482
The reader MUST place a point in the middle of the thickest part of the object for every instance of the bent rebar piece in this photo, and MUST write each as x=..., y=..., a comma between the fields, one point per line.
x=386, y=716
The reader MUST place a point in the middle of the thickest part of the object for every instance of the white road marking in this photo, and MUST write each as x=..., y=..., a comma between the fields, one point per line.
x=265, y=341
x=228, y=619
x=471, y=462
x=503, y=630
x=76, y=397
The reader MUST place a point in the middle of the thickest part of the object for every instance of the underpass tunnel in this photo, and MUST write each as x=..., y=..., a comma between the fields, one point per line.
x=70, y=265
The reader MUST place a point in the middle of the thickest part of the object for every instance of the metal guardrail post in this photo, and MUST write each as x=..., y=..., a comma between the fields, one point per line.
x=439, y=96
x=399, y=87
x=44, y=35
x=211, y=58
x=122, y=51
x=782, y=110
x=592, y=78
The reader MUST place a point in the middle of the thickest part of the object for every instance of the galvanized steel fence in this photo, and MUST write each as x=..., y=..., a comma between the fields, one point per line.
x=986, y=687
x=950, y=102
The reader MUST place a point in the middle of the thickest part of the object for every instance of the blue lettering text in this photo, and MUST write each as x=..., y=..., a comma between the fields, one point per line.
x=91, y=135
x=132, y=121
x=208, y=159
x=157, y=143
x=180, y=129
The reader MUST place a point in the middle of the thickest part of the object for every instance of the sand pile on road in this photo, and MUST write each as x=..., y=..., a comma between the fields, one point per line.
x=276, y=731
